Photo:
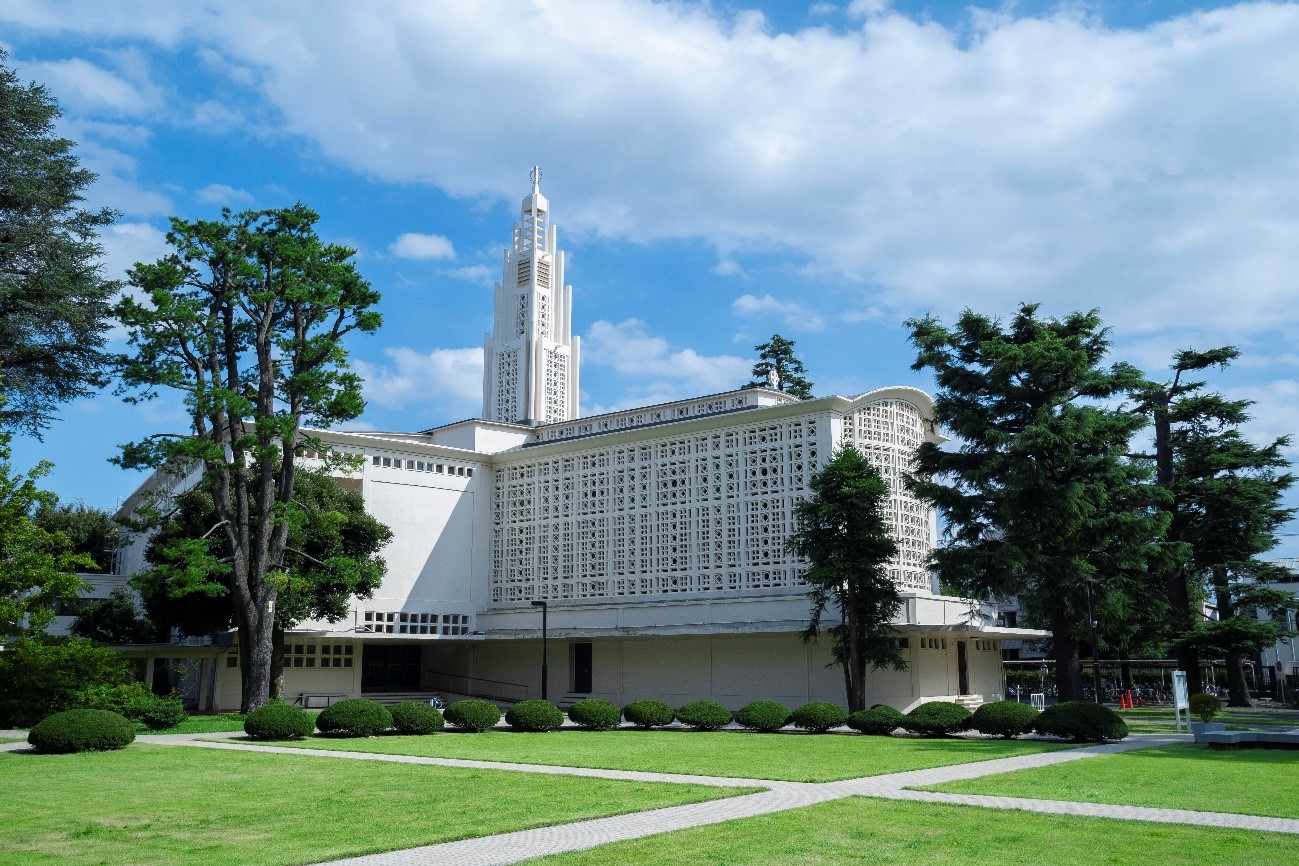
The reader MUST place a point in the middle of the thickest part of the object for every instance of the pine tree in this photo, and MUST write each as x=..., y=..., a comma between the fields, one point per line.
x=246, y=319
x=776, y=356
x=54, y=301
x=1039, y=498
x=844, y=534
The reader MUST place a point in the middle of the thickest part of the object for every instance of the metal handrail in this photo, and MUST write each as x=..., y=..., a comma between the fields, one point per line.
x=470, y=686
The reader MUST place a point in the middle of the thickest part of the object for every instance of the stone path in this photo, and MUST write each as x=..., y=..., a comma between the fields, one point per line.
x=777, y=796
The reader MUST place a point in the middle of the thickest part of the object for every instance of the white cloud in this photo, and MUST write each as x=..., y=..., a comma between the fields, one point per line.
x=452, y=378
x=471, y=273
x=1275, y=412
x=1150, y=172
x=822, y=8
x=672, y=374
x=126, y=243
x=86, y=88
x=413, y=245
x=221, y=195
x=792, y=313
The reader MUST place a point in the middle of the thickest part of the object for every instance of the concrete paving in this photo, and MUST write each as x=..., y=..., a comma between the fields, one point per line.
x=777, y=796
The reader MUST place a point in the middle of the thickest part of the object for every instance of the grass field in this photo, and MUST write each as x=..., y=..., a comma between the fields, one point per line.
x=1246, y=781
x=1160, y=720
x=892, y=833
x=734, y=754
x=161, y=805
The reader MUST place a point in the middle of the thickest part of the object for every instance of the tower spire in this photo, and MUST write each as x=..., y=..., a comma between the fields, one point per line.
x=530, y=373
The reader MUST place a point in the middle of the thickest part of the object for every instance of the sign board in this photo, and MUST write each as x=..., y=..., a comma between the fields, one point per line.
x=1181, y=700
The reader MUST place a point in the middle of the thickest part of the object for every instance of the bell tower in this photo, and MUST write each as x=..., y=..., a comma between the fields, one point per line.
x=530, y=359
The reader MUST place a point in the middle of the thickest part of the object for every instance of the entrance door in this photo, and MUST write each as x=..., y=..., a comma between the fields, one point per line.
x=962, y=669
x=390, y=668
x=582, y=668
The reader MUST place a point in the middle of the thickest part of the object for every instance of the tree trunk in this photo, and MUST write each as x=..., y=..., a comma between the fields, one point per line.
x=1237, y=690
x=277, y=664
x=256, y=635
x=1068, y=661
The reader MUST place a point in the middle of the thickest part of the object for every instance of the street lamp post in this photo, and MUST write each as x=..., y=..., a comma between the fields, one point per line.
x=1096, y=658
x=544, y=639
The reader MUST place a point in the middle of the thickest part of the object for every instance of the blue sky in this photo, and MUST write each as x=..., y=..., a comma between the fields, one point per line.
x=719, y=172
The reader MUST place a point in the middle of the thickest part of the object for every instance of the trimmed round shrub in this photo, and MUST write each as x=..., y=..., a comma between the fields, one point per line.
x=1003, y=719
x=762, y=716
x=595, y=714
x=1082, y=721
x=880, y=720
x=704, y=715
x=162, y=712
x=416, y=717
x=936, y=719
x=472, y=714
x=818, y=716
x=648, y=714
x=82, y=731
x=354, y=717
x=1205, y=706
x=537, y=716
x=278, y=721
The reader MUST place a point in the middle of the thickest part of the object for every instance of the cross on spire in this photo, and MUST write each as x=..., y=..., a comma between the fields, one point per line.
x=536, y=179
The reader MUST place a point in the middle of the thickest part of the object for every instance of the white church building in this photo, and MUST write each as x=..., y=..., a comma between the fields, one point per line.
x=655, y=537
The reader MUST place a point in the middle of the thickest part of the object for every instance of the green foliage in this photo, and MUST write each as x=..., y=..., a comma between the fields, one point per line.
x=91, y=532
x=704, y=715
x=39, y=676
x=936, y=719
x=354, y=717
x=472, y=714
x=246, y=319
x=595, y=714
x=777, y=355
x=1003, y=719
x=1205, y=706
x=844, y=533
x=880, y=720
x=333, y=546
x=818, y=716
x=416, y=717
x=37, y=566
x=537, y=716
x=762, y=716
x=1082, y=721
x=136, y=702
x=278, y=721
x=1039, y=496
x=114, y=620
x=81, y=730
x=54, y=299
x=648, y=714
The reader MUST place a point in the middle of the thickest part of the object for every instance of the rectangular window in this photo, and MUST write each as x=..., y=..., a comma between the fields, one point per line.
x=376, y=460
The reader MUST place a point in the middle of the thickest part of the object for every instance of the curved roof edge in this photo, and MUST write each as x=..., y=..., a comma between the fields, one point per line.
x=918, y=398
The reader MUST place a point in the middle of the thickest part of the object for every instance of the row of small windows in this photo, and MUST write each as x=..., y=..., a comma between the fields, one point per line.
x=309, y=655
x=401, y=622
x=422, y=466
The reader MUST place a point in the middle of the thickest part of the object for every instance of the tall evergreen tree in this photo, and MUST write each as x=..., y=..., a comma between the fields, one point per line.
x=1224, y=499
x=844, y=534
x=246, y=320
x=54, y=299
x=776, y=360
x=1039, y=498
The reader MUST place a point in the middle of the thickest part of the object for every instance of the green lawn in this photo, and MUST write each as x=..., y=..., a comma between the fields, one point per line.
x=886, y=832
x=788, y=757
x=204, y=725
x=168, y=805
x=1247, y=781
x=1160, y=720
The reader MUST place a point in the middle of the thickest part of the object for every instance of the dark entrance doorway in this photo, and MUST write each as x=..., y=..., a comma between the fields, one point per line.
x=582, y=668
x=962, y=669
x=390, y=668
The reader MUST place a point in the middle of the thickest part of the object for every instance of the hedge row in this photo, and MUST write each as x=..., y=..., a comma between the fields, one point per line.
x=94, y=729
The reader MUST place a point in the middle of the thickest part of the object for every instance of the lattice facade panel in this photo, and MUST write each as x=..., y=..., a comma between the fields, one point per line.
x=889, y=432
x=507, y=383
x=680, y=516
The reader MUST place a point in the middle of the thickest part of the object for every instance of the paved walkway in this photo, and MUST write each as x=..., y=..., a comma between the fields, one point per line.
x=778, y=796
